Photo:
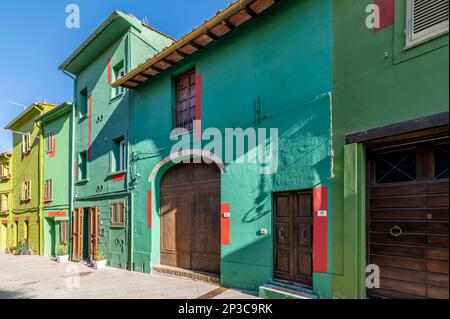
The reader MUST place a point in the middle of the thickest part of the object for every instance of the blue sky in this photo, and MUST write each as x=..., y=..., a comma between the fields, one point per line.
x=35, y=41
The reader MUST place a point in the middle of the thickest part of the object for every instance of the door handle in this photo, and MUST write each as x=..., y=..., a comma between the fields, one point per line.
x=304, y=234
x=396, y=231
x=280, y=233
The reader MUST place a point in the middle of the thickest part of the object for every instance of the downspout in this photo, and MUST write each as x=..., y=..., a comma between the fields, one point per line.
x=130, y=204
x=71, y=159
x=40, y=189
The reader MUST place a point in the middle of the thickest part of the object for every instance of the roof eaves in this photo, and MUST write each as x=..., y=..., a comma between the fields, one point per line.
x=229, y=19
x=116, y=14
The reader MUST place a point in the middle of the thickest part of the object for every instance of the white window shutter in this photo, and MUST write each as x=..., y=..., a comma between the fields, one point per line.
x=426, y=19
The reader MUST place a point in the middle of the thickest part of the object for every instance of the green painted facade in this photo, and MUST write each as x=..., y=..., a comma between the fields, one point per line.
x=26, y=220
x=5, y=198
x=57, y=169
x=246, y=66
x=376, y=82
x=102, y=118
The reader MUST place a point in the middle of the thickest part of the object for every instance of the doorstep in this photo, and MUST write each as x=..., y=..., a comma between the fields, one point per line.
x=276, y=290
x=185, y=273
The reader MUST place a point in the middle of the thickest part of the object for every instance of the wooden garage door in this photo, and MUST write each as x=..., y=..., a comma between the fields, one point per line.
x=190, y=217
x=408, y=219
x=293, y=226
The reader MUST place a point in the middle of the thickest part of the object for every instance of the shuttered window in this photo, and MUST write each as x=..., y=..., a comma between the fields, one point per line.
x=48, y=190
x=117, y=215
x=4, y=202
x=64, y=232
x=26, y=148
x=426, y=19
x=49, y=142
x=25, y=194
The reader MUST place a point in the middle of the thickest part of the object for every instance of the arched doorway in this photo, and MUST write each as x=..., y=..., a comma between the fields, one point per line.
x=190, y=217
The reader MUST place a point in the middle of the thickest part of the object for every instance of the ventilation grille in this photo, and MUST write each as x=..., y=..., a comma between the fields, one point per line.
x=429, y=13
x=426, y=19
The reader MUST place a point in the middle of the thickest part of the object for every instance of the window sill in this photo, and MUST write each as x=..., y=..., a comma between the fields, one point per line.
x=117, y=97
x=82, y=181
x=180, y=132
x=82, y=118
x=4, y=178
x=112, y=174
x=118, y=226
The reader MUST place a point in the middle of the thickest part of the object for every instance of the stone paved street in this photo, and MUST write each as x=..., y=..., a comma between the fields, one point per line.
x=41, y=277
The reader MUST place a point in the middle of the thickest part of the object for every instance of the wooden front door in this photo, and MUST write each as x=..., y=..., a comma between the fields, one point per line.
x=77, y=234
x=93, y=232
x=293, y=233
x=190, y=217
x=407, y=224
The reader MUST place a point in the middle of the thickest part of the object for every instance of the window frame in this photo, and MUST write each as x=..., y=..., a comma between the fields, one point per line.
x=26, y=144
x=2, y=196
x=83, y=106
x=25, y=192
x=64, y=231
x=81, y=176
x=115, y=220
x=49, y=142
x=189, y=123
x=413, y=40
x=4, y=171
x=48, y=190
x=118, y=71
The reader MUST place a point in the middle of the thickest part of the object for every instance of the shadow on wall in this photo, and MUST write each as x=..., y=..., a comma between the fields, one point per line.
x=249, y=266
x=10, y=294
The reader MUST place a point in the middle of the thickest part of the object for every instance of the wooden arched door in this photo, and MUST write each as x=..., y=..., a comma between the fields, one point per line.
x=190, y=217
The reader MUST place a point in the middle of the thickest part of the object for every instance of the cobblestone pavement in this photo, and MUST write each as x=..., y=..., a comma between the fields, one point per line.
x=41, y=277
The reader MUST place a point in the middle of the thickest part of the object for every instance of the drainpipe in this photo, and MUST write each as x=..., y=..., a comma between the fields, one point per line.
x=71, y=159
x=130, y=204
x=40, y=189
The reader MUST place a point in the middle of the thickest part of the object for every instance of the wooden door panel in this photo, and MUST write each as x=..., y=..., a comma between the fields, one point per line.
x=293, y=237
x=413, y=264
x=190, y=217
x=93, y=232
x=398, y=214
x=78, y=227
x=282, y=265
x=205, y=240
x=175, y=231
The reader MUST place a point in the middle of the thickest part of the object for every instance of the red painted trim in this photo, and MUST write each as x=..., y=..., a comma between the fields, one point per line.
x=320, y=233
x=224, y=225
x=149, y=209
x=108, y=67
x=387, y=13
x=76, y=171
x=119, y=177
x=4, y=221
x=198, y=107
x=57, y=214
x=89, y=126
x=53, y=152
